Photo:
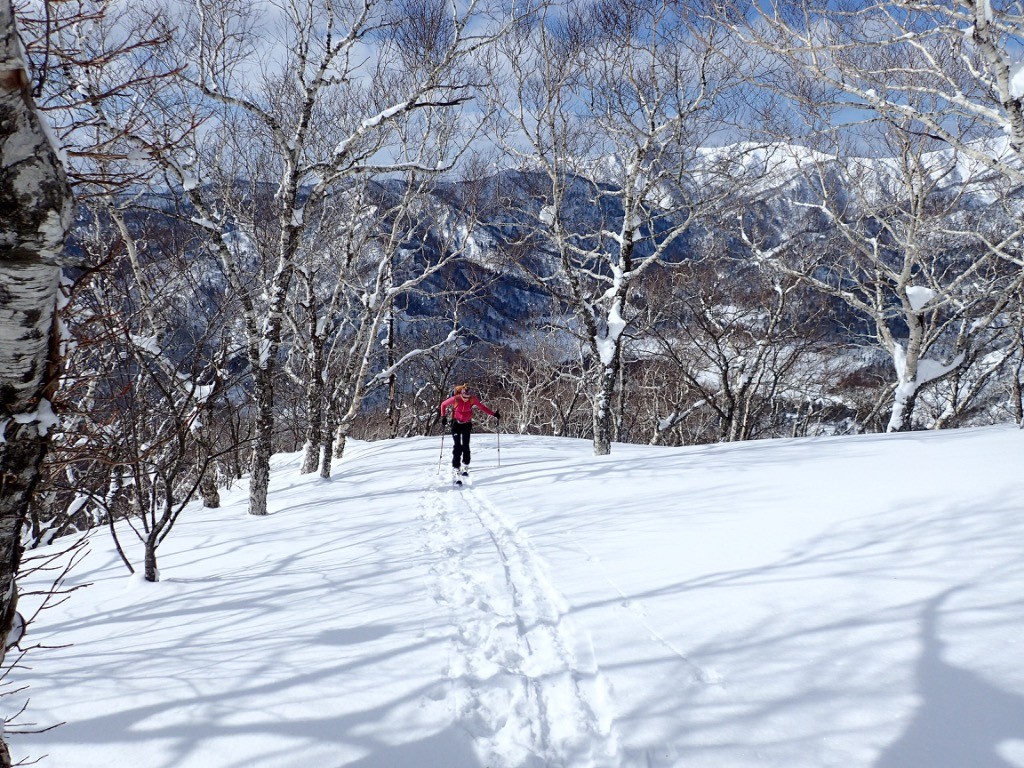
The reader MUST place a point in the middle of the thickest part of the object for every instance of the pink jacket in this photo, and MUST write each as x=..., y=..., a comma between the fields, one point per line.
x=464, y=408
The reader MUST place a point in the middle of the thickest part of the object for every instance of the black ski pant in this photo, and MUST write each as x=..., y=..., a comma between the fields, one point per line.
x=460, y=436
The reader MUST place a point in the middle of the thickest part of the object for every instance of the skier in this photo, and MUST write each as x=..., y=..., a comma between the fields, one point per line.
x=461, y=405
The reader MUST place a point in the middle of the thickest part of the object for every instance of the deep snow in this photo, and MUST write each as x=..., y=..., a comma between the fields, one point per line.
x=791, y=603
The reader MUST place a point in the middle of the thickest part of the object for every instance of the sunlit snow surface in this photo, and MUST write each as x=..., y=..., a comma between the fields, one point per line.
x=795, y=603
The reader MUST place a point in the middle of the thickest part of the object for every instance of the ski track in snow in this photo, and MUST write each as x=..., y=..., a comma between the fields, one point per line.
x=639, y=613
x=524, y=684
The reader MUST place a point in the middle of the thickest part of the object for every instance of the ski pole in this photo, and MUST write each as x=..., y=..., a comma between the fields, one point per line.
x=499, y=443
x=441, y=455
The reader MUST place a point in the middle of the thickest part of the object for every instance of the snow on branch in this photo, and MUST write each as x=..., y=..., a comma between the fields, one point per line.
x=928, y=370
x=385, y=115
x=43, y=417
x=920, y=296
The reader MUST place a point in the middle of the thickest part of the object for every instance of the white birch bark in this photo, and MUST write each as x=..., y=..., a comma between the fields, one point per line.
x=35, y=202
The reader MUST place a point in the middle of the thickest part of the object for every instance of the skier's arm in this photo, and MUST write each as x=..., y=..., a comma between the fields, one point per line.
x=483, y=407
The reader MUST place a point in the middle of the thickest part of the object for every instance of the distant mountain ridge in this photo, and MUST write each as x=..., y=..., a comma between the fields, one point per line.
x=498, y=222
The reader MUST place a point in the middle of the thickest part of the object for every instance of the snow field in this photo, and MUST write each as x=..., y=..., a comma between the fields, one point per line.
x=825, y=603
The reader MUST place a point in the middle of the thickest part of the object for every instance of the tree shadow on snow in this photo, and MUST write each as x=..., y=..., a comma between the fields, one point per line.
x=450, y=748
x=962, y=718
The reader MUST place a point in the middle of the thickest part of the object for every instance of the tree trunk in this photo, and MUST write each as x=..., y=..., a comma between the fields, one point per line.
x=314, y=407
x=311, y=451
x=1018, y=395
x=604, y=414
x=150, y=572
x=394, y=415
x=263, y=444
x=263, y=358
x=907, y=385
x=620, y=403
x=1018, y=398
x=208, y=490
x=341, y=439
x=326, y=447
x=327, y=459
x=902, y=419
x=36, y=208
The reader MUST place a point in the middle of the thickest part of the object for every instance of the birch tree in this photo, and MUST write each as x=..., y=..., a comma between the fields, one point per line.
x=545, y=385
x=948, y=73
x=145, y=366
x=385, y=248
x=613, y=102
x=37, y=205
x=89, y=55
x=885, y=244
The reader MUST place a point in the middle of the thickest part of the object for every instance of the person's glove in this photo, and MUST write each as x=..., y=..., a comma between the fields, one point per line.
x=497, y=415
x=444, y=421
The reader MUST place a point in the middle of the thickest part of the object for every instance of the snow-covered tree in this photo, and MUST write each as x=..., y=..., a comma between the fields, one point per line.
x=889, y=238
x=96, y=63
x=609, y=103
x=141, y=377
x=944, y=74
x=384, y=247
x=543, y=378
x=947, y=70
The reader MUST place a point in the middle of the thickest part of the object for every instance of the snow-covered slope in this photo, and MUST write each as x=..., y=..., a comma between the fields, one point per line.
x=798, y=604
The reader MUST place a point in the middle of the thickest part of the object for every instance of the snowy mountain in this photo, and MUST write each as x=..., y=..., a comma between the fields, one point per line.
x=777, y=183
x=845, y=602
